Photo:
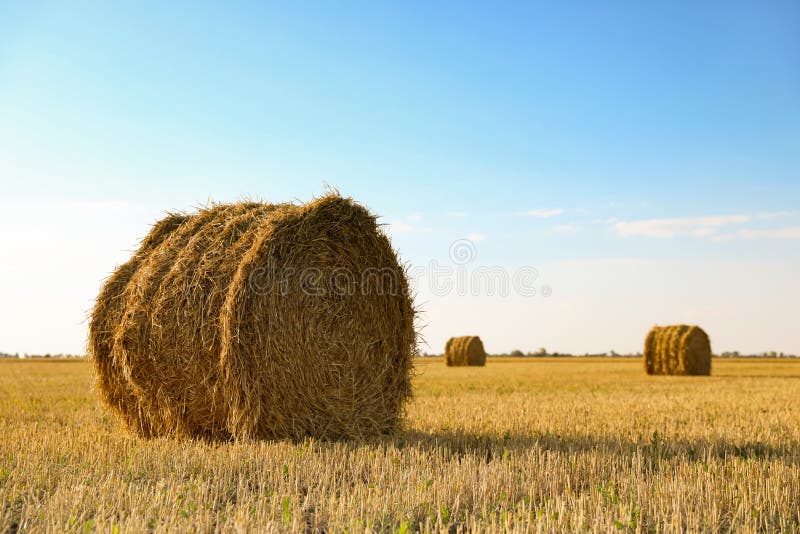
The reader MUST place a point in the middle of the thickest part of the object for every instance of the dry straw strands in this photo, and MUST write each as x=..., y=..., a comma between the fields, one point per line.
x=464, y=350
x=253, y=320
x=677, y=350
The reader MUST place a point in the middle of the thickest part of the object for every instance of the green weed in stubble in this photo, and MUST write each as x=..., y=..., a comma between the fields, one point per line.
x=287, y=512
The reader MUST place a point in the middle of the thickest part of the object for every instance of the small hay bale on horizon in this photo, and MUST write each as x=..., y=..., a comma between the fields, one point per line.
x=464, y=351
x=258, y=321
x=677, y=350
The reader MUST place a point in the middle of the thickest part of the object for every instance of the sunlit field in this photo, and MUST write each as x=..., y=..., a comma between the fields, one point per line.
x=520, y=445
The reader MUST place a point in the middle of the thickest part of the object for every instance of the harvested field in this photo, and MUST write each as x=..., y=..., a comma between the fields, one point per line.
x=522, y=444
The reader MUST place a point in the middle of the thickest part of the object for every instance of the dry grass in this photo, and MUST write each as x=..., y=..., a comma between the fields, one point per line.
x=520, y=445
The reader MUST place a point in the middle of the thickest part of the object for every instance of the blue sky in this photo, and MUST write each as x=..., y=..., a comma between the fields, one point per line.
x=645, y=159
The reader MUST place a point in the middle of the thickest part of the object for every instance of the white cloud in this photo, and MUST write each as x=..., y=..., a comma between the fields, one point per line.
x=775, y=214
x=408, y=224
x=708, y=227
x=399, y=227
x=705, y=231
x=457, y=213
x=475, y=236
x=542, y=213
x=403, y=227
x=791, y=232
x=675, y=227
x=724, y=237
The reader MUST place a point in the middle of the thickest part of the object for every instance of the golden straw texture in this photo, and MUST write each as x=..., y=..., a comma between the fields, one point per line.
x=253, y=320
x=677, y=350
x=464, y=350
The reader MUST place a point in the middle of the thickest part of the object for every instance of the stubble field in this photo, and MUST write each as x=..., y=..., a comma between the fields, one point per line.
x=520, y=445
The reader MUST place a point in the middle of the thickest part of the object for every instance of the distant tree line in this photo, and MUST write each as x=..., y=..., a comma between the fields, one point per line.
x=47, y=355
x=769, y=354
x=542, y=353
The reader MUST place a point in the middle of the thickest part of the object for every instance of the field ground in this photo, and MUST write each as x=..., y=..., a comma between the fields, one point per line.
x=520, y=445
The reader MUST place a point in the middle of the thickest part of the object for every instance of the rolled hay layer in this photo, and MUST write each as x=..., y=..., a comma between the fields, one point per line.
x=255, y=320
x=464, y=350
x=650, y=353
x=108, y=311
x=448, y=352
x=677, y=350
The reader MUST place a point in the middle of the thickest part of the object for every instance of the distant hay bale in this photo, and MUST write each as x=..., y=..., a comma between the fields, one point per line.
x=677, y=350
x=464, y=350
x=253, y=320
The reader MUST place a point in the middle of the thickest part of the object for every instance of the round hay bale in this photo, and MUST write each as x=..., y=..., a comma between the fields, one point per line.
x=262, y=321
x=677, y=350
x=464, y=350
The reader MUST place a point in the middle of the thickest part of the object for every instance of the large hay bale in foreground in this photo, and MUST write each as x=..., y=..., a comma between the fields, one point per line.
x=677, y=350
x=254, y=320
x=464, y=350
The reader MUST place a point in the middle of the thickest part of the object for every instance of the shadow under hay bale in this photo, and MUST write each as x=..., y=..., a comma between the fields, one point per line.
x=255, y=320
x=677, y=350
x=464, y=350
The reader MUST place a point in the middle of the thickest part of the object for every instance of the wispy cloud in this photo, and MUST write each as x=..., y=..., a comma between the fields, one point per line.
x=565, y=228
x=542, y=213
x=675, y=227
x=399, y=227
x=714, y=227
x=403, y=227
x=457, y=213
x=775, y=214
x=728, y=236
x=790, y=232
x=409, y=224
x=475, y=236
